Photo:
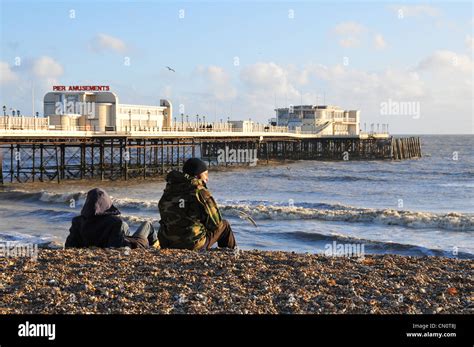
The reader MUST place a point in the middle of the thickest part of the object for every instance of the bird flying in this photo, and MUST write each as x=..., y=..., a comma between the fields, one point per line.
x=244, y=215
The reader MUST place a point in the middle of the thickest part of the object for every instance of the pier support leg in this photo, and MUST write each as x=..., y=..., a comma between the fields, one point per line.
x=1, y=166
x=101, y=160
x=58, y=169
x=33, y=162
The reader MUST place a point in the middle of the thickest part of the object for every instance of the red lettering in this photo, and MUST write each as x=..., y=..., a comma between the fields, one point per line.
x=81, y=88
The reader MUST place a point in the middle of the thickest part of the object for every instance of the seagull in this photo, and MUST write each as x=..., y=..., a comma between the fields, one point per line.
x=170, y=69
x=244, y=215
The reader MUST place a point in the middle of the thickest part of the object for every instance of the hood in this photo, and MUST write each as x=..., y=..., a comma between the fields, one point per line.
x=176, y=180
x=98, y=203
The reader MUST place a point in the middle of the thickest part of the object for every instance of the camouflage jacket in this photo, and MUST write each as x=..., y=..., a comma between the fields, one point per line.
x=188, y=212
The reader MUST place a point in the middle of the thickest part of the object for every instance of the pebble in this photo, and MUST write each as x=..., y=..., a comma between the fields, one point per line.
x=262, y=282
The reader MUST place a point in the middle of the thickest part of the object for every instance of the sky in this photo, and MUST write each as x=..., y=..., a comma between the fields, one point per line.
x=407, y=64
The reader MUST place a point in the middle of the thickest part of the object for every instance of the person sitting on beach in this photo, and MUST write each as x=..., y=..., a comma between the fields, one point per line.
x=190, y=218
x=99, y=225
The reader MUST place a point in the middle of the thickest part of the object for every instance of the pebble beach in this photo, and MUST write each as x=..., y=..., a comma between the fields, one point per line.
x=124, y=281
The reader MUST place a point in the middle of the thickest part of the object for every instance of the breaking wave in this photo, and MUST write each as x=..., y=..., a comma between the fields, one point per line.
x=410, y=219
x=17, y=195
x=332, y=212
x=261, y=210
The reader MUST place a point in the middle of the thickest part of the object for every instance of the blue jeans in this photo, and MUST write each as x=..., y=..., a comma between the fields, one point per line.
x=146, y=231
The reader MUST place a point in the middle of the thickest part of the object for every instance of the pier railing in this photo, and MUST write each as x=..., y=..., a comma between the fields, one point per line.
x=8, y=123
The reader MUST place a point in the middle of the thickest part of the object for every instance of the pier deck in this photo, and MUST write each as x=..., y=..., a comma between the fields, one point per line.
x=48, y=155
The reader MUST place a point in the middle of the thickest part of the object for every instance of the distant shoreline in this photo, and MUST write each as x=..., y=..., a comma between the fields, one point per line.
x=80, y=281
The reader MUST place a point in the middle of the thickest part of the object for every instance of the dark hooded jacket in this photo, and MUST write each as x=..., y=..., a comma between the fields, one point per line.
x=99, y=225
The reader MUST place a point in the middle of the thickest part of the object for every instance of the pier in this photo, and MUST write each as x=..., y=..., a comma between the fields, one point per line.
x=56, y=156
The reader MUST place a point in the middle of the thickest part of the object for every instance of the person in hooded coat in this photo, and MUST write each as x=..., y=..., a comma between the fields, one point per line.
x=100, y=225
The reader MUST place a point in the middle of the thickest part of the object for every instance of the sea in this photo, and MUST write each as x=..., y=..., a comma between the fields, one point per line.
x=412, y=207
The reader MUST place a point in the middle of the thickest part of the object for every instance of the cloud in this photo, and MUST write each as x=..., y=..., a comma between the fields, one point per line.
x=448, y=102
x=379, y=42
x=44, y=72
x=448, y=76
x=447, y=62
x=441, y=83
x=415, y=10
x=6, y=74
x=349, y=42
x=104, y=43
x=267, y=77
x=47, y=67
x=355, y=86
x=40, y=73
x=218, y=82
x=349, y=28
x=349, y=33
x=469, y=42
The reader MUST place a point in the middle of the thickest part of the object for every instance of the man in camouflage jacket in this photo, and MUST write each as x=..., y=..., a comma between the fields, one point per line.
x=190, y=218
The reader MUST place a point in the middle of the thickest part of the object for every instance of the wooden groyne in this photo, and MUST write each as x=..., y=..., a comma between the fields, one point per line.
x=46, y=159
x=405, y=148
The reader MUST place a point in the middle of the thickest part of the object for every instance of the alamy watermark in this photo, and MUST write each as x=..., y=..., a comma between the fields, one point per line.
x=348, y=250
x=37, y=330
x=237, y=156
x=10, y=249
x=400, y=108
x=78, y=107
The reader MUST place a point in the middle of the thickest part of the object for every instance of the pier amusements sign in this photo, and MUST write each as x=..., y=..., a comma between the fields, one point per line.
x=81, y=88
x=70, y=104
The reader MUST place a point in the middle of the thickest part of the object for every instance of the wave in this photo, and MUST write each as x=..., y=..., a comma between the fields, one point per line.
x=49, y=213
x=131, y=219
x=410, y=219
x=378, y=247
x=335, y=178
x=461, y=185
x=452, y=221
x=17, y=195
x=78, y=197
x=16, y=237
x=265, y=210
x=144, y=205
